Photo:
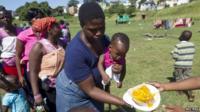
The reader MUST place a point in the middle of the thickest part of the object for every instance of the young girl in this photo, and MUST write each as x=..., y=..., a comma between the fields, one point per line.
x=112, y=63
x=14, y=99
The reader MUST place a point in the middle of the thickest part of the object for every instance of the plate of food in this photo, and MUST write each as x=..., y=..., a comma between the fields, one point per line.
x=143, y=97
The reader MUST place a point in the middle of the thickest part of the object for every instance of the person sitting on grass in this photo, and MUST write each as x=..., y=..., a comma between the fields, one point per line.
x=112, y=64
x=14, y=98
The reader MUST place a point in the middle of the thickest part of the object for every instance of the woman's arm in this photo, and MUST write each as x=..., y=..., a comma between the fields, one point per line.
x=35, y=58
x=187, y=84
x=89, y=88
x=19, y=51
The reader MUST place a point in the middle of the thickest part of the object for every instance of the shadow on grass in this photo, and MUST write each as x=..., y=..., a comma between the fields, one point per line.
x=171, y=79
x=122, y=109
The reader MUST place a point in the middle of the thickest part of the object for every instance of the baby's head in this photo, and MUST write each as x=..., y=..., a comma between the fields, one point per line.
x=9, y=83
x=185, y=35
x=119, y=46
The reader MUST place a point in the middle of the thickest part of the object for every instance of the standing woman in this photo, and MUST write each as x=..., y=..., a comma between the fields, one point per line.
x=79, y=83
x=25, y=40
x=38, y=54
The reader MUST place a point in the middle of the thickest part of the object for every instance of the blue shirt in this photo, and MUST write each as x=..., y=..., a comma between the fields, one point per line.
x=80, y=61
x=16, y=101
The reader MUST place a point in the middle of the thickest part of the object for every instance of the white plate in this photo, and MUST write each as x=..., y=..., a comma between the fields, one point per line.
x=128, y=99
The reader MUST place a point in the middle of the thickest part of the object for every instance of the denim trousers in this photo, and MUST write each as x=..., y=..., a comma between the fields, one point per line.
x=69, y=95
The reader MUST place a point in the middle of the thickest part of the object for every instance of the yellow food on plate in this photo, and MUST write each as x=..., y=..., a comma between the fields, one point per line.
x=143, y=96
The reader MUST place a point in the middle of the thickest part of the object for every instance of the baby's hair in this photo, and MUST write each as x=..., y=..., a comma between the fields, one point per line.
x=122, y=38
x=185, y=35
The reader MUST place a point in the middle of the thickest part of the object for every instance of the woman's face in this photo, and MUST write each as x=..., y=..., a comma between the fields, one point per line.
x=5, y=18
x=94, y=29
x=56, y=33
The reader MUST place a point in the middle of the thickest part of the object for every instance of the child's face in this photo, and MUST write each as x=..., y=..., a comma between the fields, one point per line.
x=117, y=50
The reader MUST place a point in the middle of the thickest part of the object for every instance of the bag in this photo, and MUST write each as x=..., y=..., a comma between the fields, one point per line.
x=52, y=63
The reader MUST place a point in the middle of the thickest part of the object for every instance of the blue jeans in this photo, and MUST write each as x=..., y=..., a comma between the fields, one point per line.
x=69, y=95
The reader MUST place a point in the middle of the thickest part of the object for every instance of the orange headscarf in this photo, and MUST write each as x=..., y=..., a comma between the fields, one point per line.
x=43, y=24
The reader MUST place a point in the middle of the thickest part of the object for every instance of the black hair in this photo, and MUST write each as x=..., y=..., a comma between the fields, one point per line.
x=8, y=82
x=34, y=13
x=53, y=26
x=5, y=12
x=62, y=21
x=122, y=37
x=2, y=8
x=185, y=35
x=89, y=11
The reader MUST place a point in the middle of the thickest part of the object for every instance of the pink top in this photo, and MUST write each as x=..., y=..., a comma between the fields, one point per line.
x=108, y=61
x=47, y=45
x=29, y=39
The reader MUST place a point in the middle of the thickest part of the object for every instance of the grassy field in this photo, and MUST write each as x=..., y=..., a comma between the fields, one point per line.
x=150, y=60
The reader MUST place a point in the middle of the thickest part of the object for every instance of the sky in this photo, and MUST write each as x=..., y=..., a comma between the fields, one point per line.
x=14, y=4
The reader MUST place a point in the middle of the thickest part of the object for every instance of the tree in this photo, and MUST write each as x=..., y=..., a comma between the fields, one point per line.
x=43, y=6
x=130, y=10
x=141, y=2
x=73, y=3
x=117, y=8
x=132, y=2
x=58, y=11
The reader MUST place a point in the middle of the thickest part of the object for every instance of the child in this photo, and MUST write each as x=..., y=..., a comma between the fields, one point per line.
x=183, y=54
x=14, y=99
x=66, y=36
x=112, y=63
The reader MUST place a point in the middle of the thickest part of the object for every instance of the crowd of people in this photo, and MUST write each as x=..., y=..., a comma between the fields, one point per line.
x=39, y=75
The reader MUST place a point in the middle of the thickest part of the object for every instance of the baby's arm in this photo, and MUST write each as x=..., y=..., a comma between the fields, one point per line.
x=123, y=72
x=104, y=76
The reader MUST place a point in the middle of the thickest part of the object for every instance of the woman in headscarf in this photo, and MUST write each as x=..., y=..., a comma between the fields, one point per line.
x=45, y=53
x=25, y=40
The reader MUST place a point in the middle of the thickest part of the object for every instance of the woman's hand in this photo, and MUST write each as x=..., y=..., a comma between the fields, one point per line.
x=22, y=81
x=174, y=108
x=160, y=86
x=38, y=99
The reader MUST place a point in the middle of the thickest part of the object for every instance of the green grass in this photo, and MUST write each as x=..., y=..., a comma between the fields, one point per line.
x=188, y=10
x=150, y=60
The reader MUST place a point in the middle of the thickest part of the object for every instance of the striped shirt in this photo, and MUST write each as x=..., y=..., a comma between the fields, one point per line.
x=183, y=54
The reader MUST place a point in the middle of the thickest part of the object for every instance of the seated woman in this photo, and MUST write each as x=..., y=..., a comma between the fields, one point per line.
x=40, y=71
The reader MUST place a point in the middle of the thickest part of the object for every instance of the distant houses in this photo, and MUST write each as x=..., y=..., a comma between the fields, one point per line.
x=173, y=3
x=144, y=6
x=155, y=4
x=147, y=5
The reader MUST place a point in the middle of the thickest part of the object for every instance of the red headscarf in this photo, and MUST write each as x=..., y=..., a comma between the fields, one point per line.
x=43, y=24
